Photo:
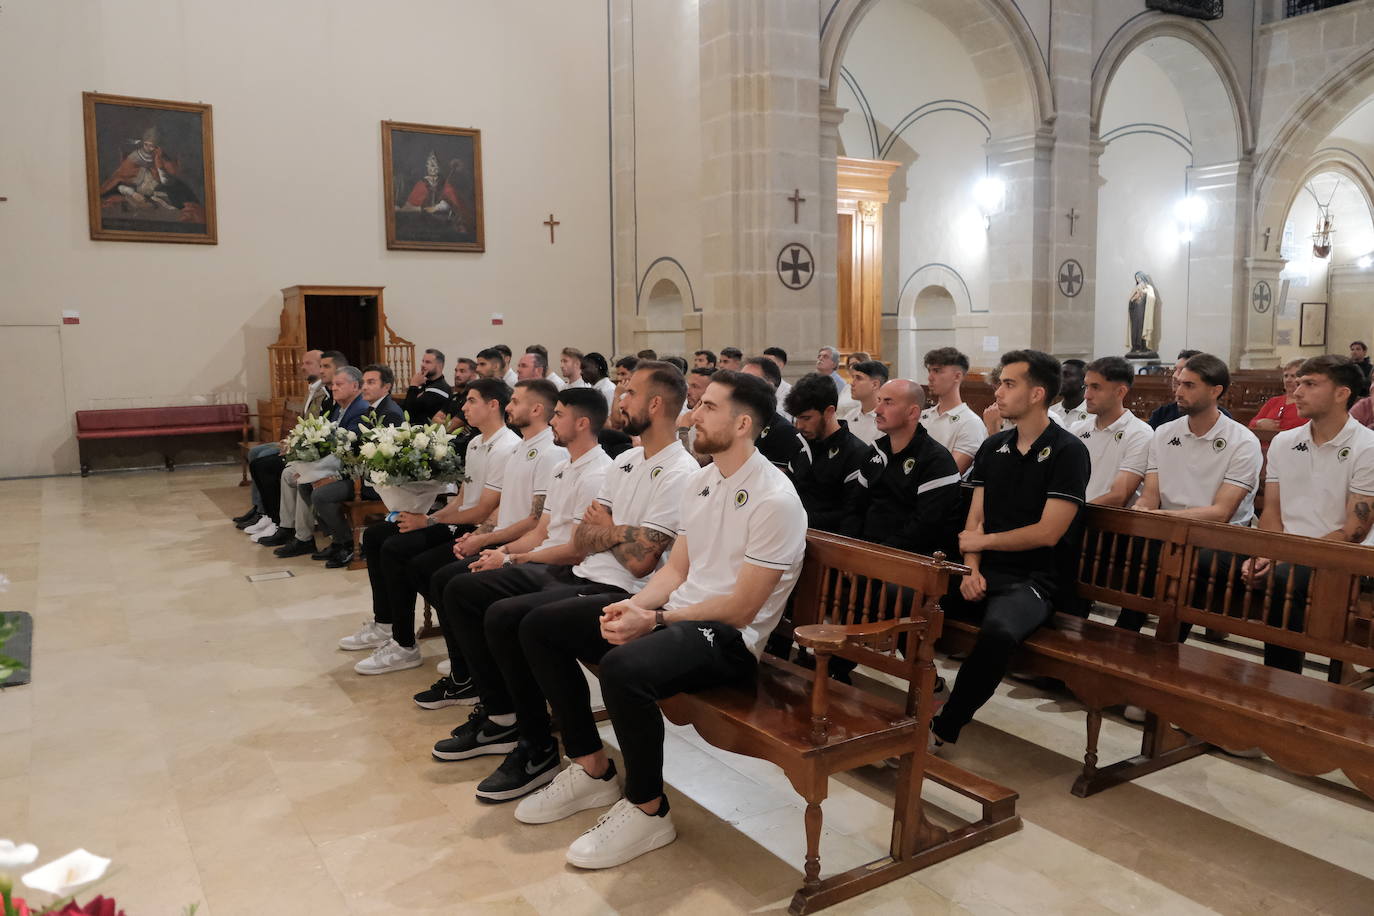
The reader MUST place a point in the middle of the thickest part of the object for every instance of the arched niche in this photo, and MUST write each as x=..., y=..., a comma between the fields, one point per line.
x=662, y=324
x=929, y=307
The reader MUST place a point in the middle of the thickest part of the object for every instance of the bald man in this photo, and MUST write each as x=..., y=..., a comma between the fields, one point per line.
x=913, y=482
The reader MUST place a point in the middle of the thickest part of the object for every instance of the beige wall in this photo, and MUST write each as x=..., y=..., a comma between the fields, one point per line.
x=298, y=91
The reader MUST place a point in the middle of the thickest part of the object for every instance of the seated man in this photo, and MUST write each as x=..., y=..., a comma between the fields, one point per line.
x=832, y=486
x=429, y=391
x=523, y=484
x=779, y=442
x=704, y=359
x=865, y=378
x=402, y=554
x=779, y=356
x=542, y=352
x=697, y=380
x=316, y=391
x=326, y=497
x=616, y=545
x=701, y=621
x=265, y=462
x=1069, y=409
x=950, y=421
x=509, y=375
x=1319, y=483
x=1118, y=441
x=295, y=534
x=1022, y=535
x=570, y=364
x=534, y=364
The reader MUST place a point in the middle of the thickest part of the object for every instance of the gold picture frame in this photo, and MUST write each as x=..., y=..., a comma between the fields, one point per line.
x=150, y=170
x=432, y=187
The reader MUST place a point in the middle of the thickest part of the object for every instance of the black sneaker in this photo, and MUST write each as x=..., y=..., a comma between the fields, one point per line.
x=281, y=537
x=296, y=548
x=247, y=519
x=447, y=692
x=477, y=737
x=519, y=774
x=340, y=555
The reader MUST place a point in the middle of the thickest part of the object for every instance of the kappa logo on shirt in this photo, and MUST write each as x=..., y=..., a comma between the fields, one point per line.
x=558, y=476
x=627, y=468
x=1005, y=449
x=1176, y=441
x=1300, y=447
x=1090, y=435
x=709, y=634
x=706, y=491
x=878, y=459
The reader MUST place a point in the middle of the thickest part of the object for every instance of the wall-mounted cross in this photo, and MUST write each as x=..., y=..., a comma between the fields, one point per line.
x=1073, y=216
x=796, y=200
x=551, y=223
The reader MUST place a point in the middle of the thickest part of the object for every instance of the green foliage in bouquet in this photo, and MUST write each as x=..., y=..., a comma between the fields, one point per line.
x=389, y=456
x=315, y=438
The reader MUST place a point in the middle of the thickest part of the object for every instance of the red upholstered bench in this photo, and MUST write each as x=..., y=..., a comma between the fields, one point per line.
x=155, y=422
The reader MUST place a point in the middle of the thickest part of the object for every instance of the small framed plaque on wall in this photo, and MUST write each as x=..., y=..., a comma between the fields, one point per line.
x=1312, y=325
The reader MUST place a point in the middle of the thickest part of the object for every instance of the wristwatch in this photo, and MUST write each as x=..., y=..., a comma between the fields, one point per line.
x=658, y=619
x=429, y=520
x=507, y=560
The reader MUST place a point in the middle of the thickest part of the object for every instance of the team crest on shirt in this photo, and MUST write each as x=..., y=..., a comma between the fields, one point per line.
x=908, y=465
x=741, y=497
x=833, y=452
x=532, y=454
x=1119, y=434
x=655, y=472
x=1343, y=454
x=1218, y=445
x=1044, y=453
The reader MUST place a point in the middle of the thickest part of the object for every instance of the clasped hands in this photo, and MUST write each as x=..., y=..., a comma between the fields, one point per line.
x=624, y=621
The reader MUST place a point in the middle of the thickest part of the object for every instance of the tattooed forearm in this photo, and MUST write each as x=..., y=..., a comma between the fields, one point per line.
x=1363, y=520
x=537, y=506
x=592, y=539
x=644, y=545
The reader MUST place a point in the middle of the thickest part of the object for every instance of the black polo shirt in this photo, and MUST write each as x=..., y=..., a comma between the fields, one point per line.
x=833, y=487
x=1015, y=489
x=913, y=496
x=781, y=444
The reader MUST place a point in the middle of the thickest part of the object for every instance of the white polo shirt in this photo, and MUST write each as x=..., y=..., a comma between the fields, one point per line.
x=753, y=516
x=572, y=489
x=510, y=378
x=1068, y=418
x=528, y=472
x=607, y=389
x=1192, y=468
x=580, y=383
x=556, y=379
x=958, y=429
x=485, y=461
x=1315, y=480
x=1124, y=445
x=643, y=493
x=863, y=425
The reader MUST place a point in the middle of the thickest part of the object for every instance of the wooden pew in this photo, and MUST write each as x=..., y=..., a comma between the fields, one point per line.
x=860, y=602
x=1305, y=725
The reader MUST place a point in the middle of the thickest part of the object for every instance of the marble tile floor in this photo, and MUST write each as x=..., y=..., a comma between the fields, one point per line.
x=205, y=733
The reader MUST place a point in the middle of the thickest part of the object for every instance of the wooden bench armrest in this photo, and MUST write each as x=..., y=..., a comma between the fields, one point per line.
x=832, y=637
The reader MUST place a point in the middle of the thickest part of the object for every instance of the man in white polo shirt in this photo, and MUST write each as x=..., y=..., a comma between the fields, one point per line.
x=1203, y=465
x=866, y=378
x=950, y=421
x=1118, y=441
x=1319, y=483
x=702, y=620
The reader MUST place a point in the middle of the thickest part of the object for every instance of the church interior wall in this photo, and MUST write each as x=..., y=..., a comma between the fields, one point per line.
x=298, y=93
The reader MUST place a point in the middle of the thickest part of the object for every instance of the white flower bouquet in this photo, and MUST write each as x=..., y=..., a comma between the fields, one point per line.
x=407, y=465
x=316, y=448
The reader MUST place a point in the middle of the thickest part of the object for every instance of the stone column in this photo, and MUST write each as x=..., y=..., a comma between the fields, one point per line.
x=761, y=138
x=1019, y=278
x=1257, y=339
x=1218, y=295
x=827, y=253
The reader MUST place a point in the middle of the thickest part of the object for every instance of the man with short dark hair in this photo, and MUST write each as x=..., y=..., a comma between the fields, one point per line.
x=1359, y=356
x=703, y=359
x=1068, y=410
x=464, y=371
x=1022, y=535
x=950, y=421
x=327, y=496
x=832, y=485
x=429, y=391
x=779, y=356
x=702, y=620
x=490, y=364
x=678, y=363
x=779, y=442
x=1118, y=442
x=697, y=380
x=1167, y=413
x=732, y=359
x=866, y=377
x=508, y=371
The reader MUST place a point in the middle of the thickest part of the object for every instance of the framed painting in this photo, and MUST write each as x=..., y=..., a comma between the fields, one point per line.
x=1312, y=325
x=432, y=182
x=150, y=170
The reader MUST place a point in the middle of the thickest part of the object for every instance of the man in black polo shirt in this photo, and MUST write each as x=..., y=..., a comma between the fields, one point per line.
x=780, y=443
x=832, y=487
x=1023, y=531
x=913, y=482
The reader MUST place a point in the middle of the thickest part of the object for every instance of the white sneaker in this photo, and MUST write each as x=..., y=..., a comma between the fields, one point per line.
x=1133, y=714
x=571, y=791
x=445, y=668
x=623, y=833
x=259, y=525
x=392, y=656
x=369, y=636
x=267, y=532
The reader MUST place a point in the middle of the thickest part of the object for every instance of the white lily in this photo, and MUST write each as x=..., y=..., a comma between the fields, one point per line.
x=440, y=449
x=420, y=441
x=15, y=856
x=61, y=877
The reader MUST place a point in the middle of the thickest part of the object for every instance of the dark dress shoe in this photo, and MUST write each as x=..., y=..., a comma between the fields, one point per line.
x=296, y=548
x=340, y=555
x=248, y=518
x=282, y=536
x=324, y=554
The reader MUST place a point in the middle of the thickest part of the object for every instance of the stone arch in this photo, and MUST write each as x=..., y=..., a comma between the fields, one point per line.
x=670, y=269
x=934, y=294
x=997, y=37
x=666, y=315
x=1223, y=104
x=1340, y=162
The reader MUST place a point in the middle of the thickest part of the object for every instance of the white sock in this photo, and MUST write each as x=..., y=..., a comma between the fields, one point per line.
x=506, y=720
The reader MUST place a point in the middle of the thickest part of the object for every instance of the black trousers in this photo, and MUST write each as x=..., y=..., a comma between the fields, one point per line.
x=327, y=501
x=399, y=567
x=266, y=473
x=1136, y=572
x=679, y=658
x=1012, y=610
x=481, y=614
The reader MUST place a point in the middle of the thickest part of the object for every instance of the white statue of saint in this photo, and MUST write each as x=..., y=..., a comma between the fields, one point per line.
x=1143, y=313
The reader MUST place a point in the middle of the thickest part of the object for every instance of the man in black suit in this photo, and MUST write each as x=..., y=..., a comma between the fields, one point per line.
x=328, y=496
